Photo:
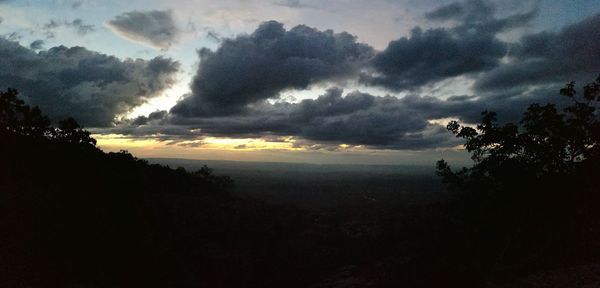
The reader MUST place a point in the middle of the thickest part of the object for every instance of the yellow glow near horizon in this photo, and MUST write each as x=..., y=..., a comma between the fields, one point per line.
x=282, y=150
x=115, y=142
x=246, y=144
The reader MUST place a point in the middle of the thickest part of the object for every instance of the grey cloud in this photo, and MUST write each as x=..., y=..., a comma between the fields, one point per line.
x=389, y=122
x=479, y=15
x=75, y=82
x=293, y=4
x=76, y=4
x=433, y=55
x=143, y=120
x=156, y=28
x=451, y=11
x=49, y=28
x=331, y=119
x=213, y=36
x=354, y=118
x=37, y=45
x=436, y=54
x=13, y=36
x=461, y=97
x=251, y=68
x=469, y=11
x=77, y=25
x=81, y=28
x=547, y=57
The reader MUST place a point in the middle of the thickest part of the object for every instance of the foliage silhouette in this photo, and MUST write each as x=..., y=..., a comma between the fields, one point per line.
x=530, y=197
x=72, y=214
x=69, y=131
x=19, y=119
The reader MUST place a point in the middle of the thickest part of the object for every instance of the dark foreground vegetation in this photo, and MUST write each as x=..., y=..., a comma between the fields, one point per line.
x=524, y=214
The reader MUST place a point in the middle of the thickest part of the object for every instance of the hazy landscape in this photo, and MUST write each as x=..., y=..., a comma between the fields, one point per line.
x=322, y=185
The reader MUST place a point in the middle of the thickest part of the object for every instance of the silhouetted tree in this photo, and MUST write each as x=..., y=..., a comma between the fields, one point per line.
x=70, y=131
x=72, y=215
x=530, y=189
x=19, y=119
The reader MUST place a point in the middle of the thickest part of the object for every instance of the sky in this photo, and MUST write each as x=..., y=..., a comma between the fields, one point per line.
x=340, y=81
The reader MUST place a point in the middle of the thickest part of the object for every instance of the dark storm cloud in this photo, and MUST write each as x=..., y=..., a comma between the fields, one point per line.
x=390, y=122
x=382, y=122
x=331, y=119
x=433, y=55
x=547, y=57
x=251, y=68
x=75, y=82
x=143, y=120
x=436, y=54
x=156, y=28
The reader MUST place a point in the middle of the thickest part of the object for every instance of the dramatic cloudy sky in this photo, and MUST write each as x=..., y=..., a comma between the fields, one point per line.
x=336, y=81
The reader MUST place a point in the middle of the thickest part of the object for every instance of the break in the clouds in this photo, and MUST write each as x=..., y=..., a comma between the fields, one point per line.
x=92, y=87
x=436, y=54
x=255, y=67
x=156, y=28
x=549, y=57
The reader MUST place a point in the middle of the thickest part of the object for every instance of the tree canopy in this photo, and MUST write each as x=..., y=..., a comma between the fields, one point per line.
x=531, y=188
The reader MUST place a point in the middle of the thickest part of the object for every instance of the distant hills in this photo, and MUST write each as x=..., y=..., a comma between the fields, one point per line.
x=225, y=167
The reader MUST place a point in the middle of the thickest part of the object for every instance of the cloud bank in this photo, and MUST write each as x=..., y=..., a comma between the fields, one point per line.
x=429, y=56
x=92, y=87
x=549, y=57
x=232, y=84
x=255, y=67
